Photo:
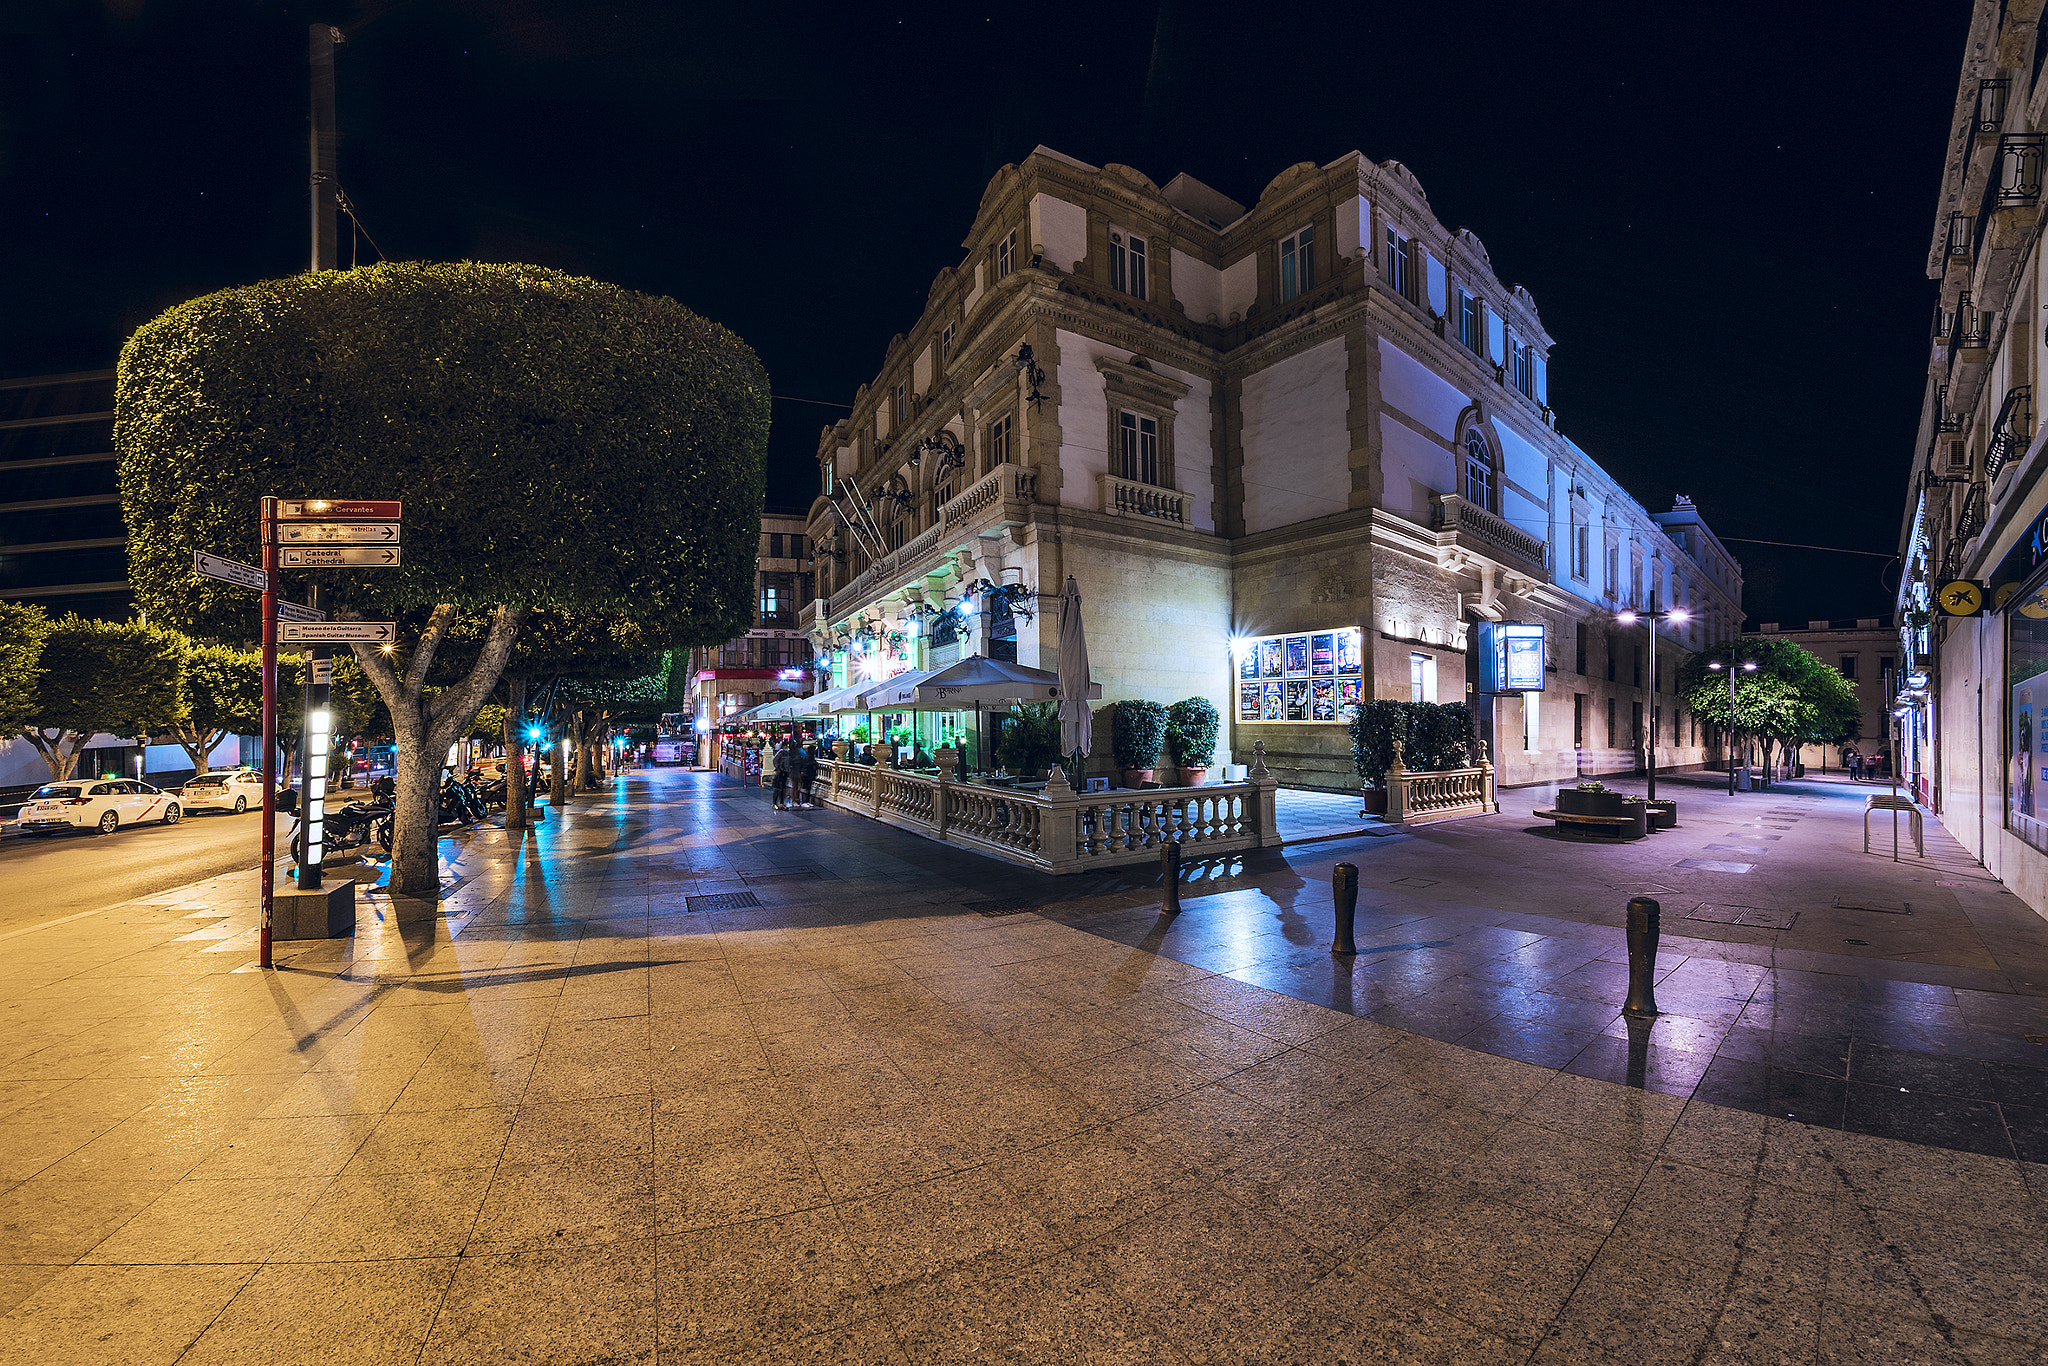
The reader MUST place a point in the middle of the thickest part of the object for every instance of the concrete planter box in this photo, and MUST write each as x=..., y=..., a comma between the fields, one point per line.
x=1573, y=802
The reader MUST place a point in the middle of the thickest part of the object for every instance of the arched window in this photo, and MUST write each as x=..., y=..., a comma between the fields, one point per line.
x=1478, y=471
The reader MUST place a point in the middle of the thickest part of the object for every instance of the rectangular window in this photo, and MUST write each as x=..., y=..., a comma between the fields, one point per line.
x=1471, y=325
x=999, y=441
x=1127, y=263
x=1579, y=718
x=1524, y=376
x=899, y=405
x=1636, y=662
x=1610, y=724
x=945, y=347
x=1422, y=678
x=1613, y=571
x=1609, y=643
x=1138, y=436
x=1298, y=263
x=774, y=545
x=1579, y=649
x=1402, y=272
x=1635, y=725
x=1006, y=255
x=796, y=545
x=1884, y=664
x=1582, y=548
x=1849, y=666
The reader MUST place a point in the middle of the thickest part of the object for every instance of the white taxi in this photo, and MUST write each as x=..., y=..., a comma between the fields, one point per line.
x=233, y=790
x=108, y=803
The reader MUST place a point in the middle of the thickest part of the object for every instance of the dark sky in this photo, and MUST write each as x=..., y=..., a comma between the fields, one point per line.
x=1722, y=210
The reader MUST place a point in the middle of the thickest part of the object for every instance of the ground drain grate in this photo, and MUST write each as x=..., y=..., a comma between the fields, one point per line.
x=722, y=901
x=1881, y=907
x=1753, y=917
x=996, y=910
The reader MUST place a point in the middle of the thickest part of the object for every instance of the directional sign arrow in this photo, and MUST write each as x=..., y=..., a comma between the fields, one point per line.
x=337, y=533
x=340, y=557
x=336, y=632
x=291, y=611
x=228, y=571
x=344, y=509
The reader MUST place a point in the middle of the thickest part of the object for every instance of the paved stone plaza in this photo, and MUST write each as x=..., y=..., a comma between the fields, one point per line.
x=684, y=1079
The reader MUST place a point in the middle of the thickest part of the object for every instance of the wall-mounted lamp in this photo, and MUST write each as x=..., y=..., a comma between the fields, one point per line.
x=944, y=448
x=1033, y=375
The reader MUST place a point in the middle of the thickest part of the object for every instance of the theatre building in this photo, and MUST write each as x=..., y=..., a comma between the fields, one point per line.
x=1292, y=455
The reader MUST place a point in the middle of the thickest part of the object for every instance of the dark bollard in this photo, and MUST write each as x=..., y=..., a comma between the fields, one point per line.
x=1344, y=896
x=1643, y=914
x=1169, y=868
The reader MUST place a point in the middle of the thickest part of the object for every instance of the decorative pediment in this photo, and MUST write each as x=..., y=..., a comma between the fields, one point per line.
x=1135, y=379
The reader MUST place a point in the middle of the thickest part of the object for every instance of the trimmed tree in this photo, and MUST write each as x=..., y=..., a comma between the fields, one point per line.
x=223, y=697
x=1792, y=698
x=558, y=442
x=23, y=627
x=103, y=678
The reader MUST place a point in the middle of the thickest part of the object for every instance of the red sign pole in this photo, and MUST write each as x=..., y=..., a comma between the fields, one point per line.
x=266, y=513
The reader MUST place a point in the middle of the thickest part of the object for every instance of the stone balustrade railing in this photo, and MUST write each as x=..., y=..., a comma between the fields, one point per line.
x=1469, y=519
x=1060, y=830
x=1129, y=498
x=1415, y=798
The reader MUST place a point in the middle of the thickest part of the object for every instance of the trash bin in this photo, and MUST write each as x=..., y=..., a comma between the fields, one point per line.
x=1742, y=779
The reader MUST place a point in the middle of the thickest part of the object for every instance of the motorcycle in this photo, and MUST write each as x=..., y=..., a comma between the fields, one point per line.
x=459, y=802
x=357, y=823
x=491, y=791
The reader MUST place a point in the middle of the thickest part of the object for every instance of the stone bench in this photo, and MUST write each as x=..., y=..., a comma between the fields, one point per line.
x=1620, y=826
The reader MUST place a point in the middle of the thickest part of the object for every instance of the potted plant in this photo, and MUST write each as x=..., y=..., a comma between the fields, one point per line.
x=1030, y=742
x=1590, y=799
x=1375, y=728
x=1191, y=729
x=1137, y=730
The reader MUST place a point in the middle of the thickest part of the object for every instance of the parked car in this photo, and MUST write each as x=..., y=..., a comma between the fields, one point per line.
x=108, y=803
x=233, y=790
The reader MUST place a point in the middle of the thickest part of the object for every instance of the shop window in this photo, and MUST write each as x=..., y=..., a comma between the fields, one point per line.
x=1138, y=448
x=1478, y=471
x=1298, y=263
x=1422, y=678
x=1127, y=263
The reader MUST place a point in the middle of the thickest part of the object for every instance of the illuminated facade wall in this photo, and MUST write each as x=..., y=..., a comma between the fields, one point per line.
x=1229, y=422
x=774, y=659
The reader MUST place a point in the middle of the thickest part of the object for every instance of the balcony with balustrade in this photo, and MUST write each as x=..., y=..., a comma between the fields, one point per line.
x=1468, y=526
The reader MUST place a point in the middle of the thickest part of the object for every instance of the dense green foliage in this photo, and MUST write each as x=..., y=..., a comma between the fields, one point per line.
x=1137, y=730
x=1030, y=743
x=1192, y=727
x=223, y=697
x=556, y=441
x=1433, y=736
x=22, y=629
x=1793, y=698
x=116, y=678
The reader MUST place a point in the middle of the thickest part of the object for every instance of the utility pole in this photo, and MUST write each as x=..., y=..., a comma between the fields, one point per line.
x=321, y=40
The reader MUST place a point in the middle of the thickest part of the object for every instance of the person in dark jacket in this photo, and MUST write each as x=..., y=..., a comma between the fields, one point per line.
x=805, y=778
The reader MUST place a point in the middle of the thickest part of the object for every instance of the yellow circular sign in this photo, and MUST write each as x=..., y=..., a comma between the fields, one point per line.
x=1960, y=598
x=2004, y=594
x=2035, y=607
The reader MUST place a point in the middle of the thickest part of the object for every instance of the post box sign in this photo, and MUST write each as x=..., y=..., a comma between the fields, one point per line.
x=1510, y=657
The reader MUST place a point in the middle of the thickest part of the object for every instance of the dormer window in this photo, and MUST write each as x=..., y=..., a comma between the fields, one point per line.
x=1297, y=263
x=1524, y=367
x=1127, y=263
x=1471, y=321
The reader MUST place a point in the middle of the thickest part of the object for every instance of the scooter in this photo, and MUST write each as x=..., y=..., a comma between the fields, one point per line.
x=355, y=824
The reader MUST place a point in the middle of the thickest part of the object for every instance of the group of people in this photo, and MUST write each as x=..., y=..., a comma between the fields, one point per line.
x=1861, y=765
x=791, y=769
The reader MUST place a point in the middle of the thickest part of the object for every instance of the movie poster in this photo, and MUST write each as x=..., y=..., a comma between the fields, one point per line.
x=1322, y=654
x=1323, y=700
x=1297, y=656
x=1274, y=705
x=1350, y=692
x=1297, y=699
x=1350, y=652
x=1248, y=701
x=1271, y=663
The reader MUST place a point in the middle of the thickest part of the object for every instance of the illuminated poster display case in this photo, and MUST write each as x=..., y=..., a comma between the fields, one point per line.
x=1312, y=676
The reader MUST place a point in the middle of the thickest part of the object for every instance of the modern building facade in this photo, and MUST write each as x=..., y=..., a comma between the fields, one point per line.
x=1292, y=456
x=1866, y=650
x=771, y=661
x=1973, y=600
x=62, y=541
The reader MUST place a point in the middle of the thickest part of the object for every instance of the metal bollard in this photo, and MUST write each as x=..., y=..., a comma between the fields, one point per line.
x=1169, y=867
x=1344, y=897
x=1643, y=914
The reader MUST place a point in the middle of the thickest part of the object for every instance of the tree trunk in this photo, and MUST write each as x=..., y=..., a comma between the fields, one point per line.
x=199, y=745
x=515, y=752
x=579, y=727
x=423, y=731
x=62, y=760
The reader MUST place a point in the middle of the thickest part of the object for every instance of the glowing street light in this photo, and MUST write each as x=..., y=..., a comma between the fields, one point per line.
x=1627, y=617
x=1747, y=666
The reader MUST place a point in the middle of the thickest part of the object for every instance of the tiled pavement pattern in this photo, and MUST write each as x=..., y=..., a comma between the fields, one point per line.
x=568, y=1119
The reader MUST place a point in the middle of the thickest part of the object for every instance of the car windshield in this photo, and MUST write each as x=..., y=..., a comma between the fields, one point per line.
x=56, y=790
x=207, y=780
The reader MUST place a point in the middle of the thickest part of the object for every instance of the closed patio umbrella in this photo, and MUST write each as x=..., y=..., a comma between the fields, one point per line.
x=1076, y=717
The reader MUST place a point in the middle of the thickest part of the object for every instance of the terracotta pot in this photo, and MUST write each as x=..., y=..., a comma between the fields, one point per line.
x=1193, y=777
x=1136, y=777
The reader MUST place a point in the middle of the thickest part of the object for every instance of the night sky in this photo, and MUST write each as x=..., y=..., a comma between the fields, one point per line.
x=1722, y=211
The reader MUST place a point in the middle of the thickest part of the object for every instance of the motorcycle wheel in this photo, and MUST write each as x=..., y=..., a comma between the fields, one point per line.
x=383, y=833
x=298, y=849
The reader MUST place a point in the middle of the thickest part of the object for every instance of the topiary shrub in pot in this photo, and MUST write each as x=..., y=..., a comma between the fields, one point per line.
x=1030, y=742
x=1374, y=731
x=1137, y=729
x=1191, y=730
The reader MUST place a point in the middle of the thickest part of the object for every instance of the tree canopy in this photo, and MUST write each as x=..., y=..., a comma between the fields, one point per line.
x=1792, y=698
x=22, y=629
x=103, y=677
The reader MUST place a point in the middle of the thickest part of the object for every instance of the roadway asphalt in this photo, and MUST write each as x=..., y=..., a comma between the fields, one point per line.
x=46, y=877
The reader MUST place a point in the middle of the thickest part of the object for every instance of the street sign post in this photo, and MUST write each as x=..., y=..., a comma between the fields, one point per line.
x=291, y=611
x=228, y=571
x=338, y=533
x=345, y=509
x=341, y=557
x=337, y=632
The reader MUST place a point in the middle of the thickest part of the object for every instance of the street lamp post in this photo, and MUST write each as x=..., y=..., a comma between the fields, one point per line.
x=1653, y=616
x=1747, y=666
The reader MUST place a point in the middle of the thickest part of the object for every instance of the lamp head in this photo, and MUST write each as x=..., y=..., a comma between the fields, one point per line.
x=1626, y=617
x=1716, y=665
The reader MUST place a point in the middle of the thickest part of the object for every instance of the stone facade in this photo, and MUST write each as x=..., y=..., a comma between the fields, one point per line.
x=1321, y=414
x=771, y=661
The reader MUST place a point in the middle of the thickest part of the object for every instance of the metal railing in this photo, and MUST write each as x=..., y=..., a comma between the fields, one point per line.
x=2020, y=158
x=2014, y=429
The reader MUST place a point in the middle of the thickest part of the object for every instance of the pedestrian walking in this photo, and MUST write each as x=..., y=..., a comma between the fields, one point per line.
x=1852, y=759
x=772, y=776
x=806, y=778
